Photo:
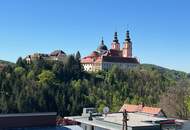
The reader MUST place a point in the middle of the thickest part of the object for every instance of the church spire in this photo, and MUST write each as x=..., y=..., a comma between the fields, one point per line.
x=127, y=48
x=102, y=41
x=115, y=44
x=115, y=38
x=127, y=36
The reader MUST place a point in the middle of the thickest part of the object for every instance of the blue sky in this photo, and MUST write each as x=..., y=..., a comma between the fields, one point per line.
x=159, y=28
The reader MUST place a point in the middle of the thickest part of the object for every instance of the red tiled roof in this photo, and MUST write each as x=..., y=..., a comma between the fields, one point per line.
x=91, y=59
x=87, y=59
x=151, y=110
x=129, y=108
x=140, y=108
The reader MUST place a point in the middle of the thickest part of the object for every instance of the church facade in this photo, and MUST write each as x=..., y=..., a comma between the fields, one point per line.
x=104, y=58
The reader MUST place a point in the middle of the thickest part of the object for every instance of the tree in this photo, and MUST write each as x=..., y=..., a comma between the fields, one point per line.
x=19, y=71
x=64, y=87
x=21, y=63
x=175, y=100
x=46, y=77
x=78, y=56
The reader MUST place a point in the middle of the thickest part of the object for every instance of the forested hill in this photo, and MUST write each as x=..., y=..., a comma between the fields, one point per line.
x=64, y=87
x=173, y=74
x=6, y=62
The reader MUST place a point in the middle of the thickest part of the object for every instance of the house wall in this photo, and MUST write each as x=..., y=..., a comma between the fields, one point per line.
x=92, y=67
x=155, y=127
x=89, y=127
x=88, y=67
x=27, y=121
x=86, y=126
x=98, y=128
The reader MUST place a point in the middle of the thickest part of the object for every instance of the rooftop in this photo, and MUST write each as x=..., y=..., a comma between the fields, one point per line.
x=113, y=121
x=120, y=59
x=29, y=114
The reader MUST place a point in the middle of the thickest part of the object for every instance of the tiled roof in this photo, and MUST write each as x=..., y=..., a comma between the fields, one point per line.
x=57, y=53
x=120, y=59
x=140, y=108
x=96, y=58
x=87, y=59
x=130, y=108
x=151, y=110
x=93, y=58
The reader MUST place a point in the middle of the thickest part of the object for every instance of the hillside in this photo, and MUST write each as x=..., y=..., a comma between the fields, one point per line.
x=173, y=74
x=3, y=62
x=66, y=88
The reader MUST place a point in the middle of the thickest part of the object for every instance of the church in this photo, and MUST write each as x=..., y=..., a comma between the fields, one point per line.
x=104, y=58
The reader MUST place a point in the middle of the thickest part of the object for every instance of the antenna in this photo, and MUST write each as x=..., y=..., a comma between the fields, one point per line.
x=106, y=110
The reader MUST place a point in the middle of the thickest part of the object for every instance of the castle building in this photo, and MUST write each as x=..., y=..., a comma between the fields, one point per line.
x=57, y=55
x=104, y=58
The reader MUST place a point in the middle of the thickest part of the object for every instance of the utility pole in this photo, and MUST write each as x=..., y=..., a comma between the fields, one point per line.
x=125, y=120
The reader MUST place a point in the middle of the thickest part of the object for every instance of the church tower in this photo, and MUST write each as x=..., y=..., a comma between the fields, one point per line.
x=127, y=46
x=115, y=44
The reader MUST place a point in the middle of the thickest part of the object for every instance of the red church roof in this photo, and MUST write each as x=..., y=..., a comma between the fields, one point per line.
x=93, y=57
x=87, y=59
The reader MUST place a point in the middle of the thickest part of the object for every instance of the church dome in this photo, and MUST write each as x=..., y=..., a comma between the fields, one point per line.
x=102, y=47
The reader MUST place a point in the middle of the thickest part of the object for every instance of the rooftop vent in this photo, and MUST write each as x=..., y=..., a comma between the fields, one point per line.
x=87, y=111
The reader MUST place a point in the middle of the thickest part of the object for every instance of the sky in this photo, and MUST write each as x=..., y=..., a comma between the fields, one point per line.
x=159, y=29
